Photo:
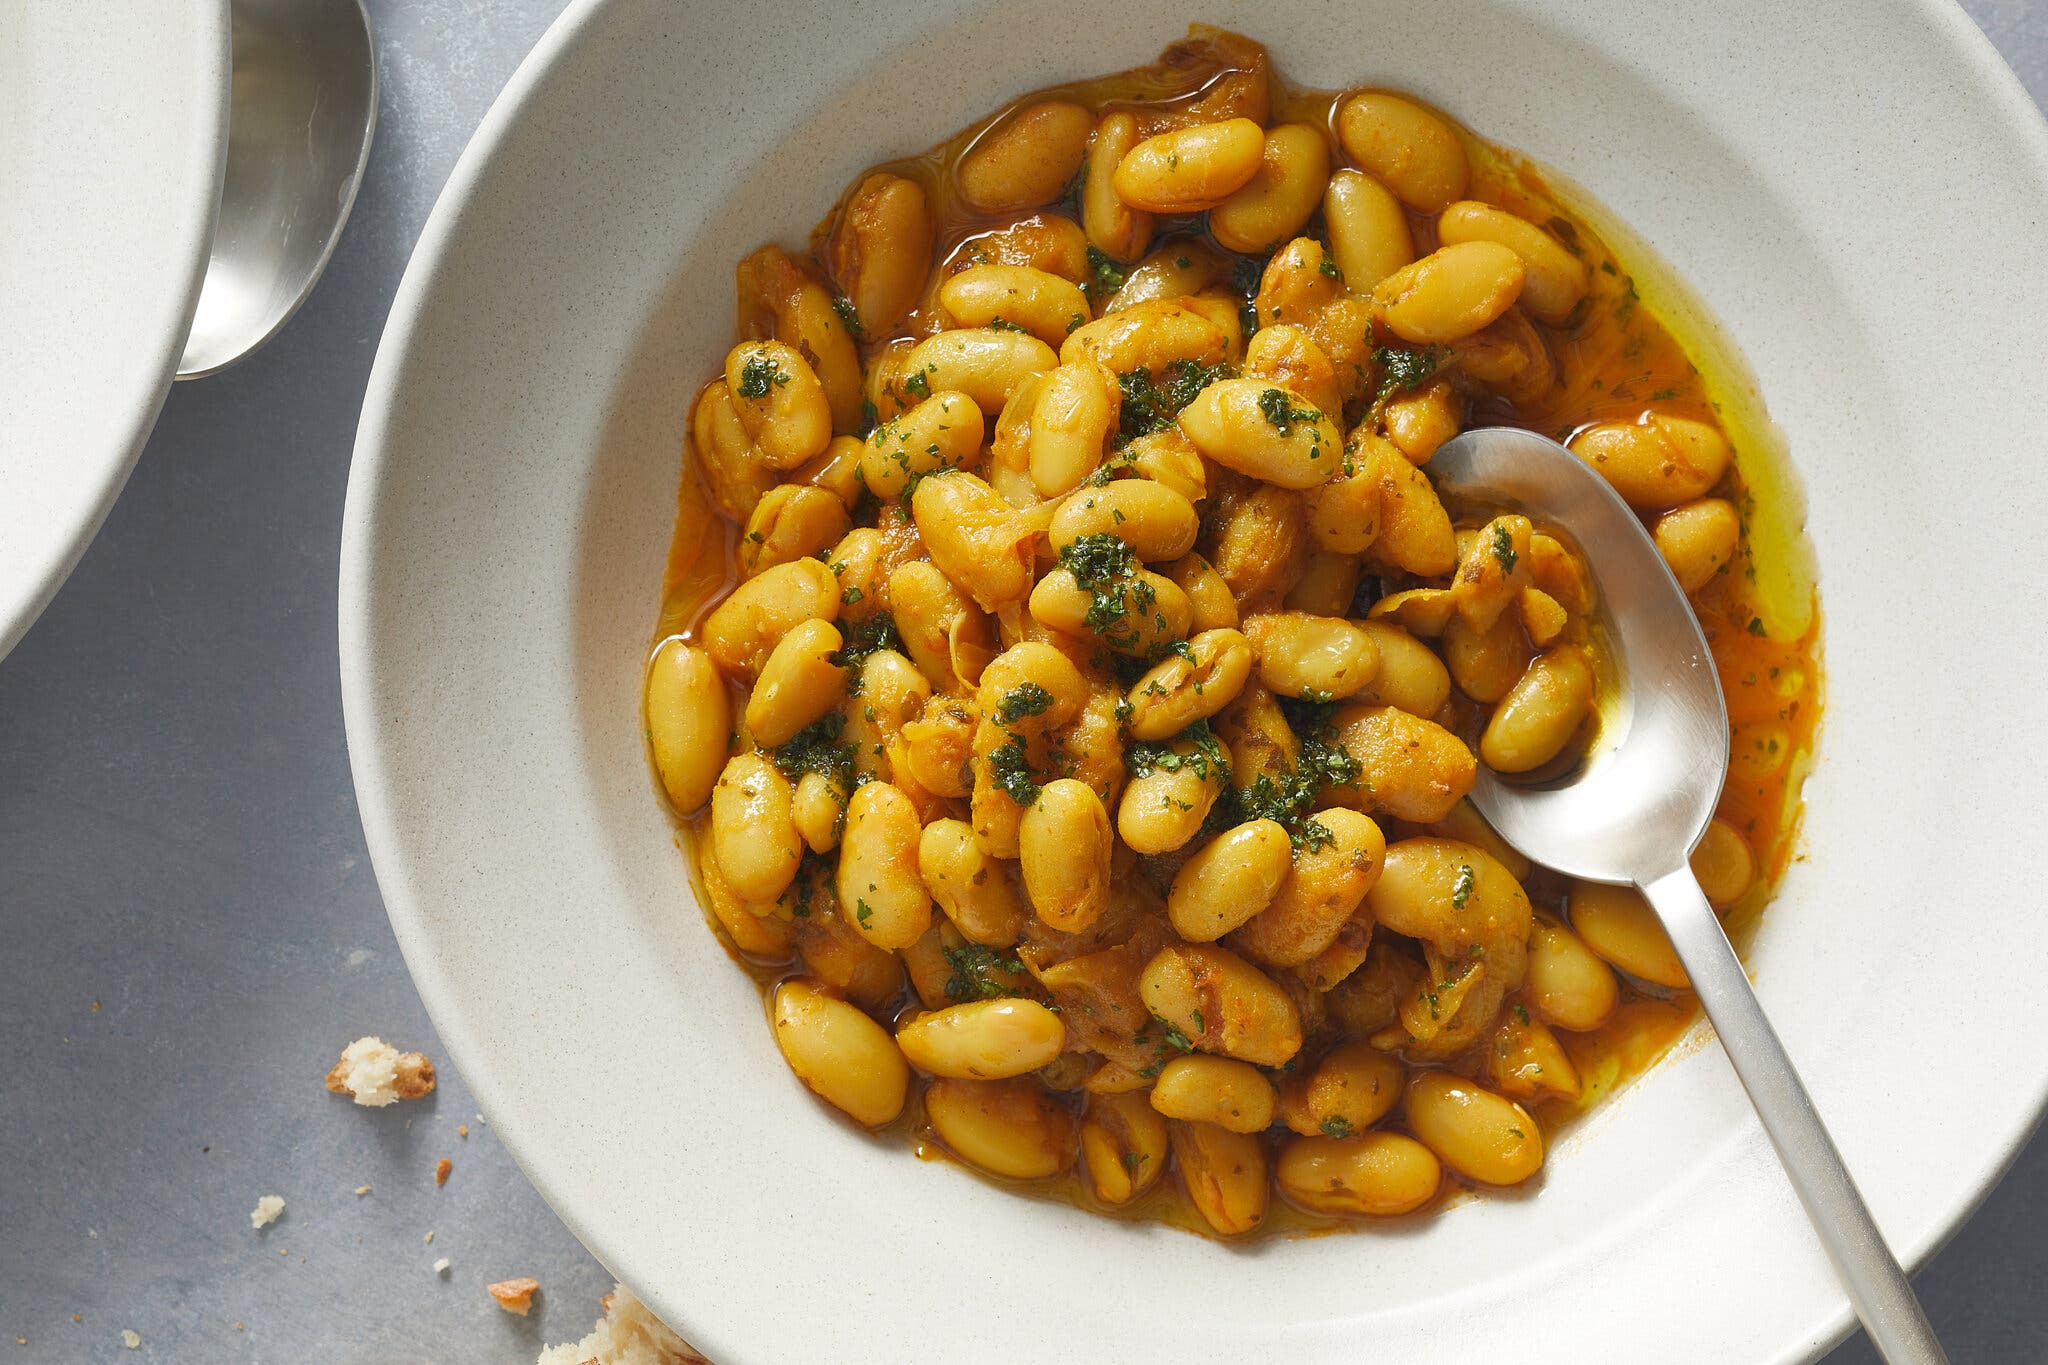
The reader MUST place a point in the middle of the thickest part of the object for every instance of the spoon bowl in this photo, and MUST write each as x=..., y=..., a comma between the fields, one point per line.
x=303, y=114
x=1632, y=812
x=1637, y=806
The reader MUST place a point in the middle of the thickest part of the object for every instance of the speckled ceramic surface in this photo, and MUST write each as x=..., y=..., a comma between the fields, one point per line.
x=116, y=119
x=1851, y=189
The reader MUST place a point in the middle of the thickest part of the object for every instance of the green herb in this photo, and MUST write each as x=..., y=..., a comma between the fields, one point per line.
x=1009, y=767
x=919, y=385
x=1150, y=405
x=1402, y=369
x=757, y=374
x=1756, y=625
x=870, y=417
x=1029, y=699
x=848, y=596
x=1175, y=1039
x=1132, y=1161
x=1075, y=321
x=1503, y=548
x=1518, y=1132
x=1337, y=1126
x=1105, y=277
x=878, y=632
x=1462, y=891
x=1104, y=567
x=861, y=911
x=1329, y=267
x=975, y=970
x=843, y=306
x=1521, y=1016
x=1278, y=410
x=817, y=749
x=1005, y=325
x=1662, y=394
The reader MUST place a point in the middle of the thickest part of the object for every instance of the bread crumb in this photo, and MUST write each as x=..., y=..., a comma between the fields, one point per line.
x=462, y=1130
x=130, y=1339
x=515, y=1296
x=442, y=1168
x=362, y=1190
x=375, y=1074
x=266, y=1211
x=78, y=1317
x=430, y=1239
x=240, y=1328
x=441, y=1266
x=628, y=1334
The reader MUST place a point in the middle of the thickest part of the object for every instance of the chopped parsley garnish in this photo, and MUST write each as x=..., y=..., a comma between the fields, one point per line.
x=918, y=385
x=1207, y=760
x=1105, y=277
x=1329, y=267
x=817, y=749
x=1337, y=1126
x=1462, y=892
x=843, y=306
x=1288, y=796
x=1009, y=767
x=757, y=374
x=1402, y=369
x=861, y=909
x=1005, y=325
x=1104, y=567
x=1503, y=549
x=1756, y=625
x=1150, y=405
x=974, y=972
x=1028, y=699
x=1175, y=1039
x=1521, y=1016
x=1279, y=411
x=849, y=595
x=864, y=638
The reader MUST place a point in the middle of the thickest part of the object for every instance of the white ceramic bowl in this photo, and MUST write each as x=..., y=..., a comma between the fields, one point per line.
x=1856, y=191
x=116, y=118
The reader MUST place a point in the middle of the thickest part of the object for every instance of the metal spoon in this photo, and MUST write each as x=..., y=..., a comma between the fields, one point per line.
x=1631, y=814
x=302, y=113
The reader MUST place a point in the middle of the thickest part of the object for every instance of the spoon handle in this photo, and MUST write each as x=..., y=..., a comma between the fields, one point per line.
x=1877, y=1285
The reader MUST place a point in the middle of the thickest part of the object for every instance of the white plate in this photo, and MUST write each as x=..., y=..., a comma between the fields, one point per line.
x=1857, y=190
x=116, y=122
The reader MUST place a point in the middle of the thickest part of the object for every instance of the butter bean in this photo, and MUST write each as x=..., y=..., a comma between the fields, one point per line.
x=1039, y=301
x=840, y=1053
x=1656, y=461
x=1282, y=439
x=1294, y=168
x=1555, y=280
x=1480, y=1135
x=978, y=893
x=1064, y=843
x=1224, y=1174
x=1369, y=237
x=1123, y=1145
x=983, y=1039
x=1228, y=881
x=1187, y=170
x=1450, y=293
x=1026, y=159
x=1231, y=1095
x=743, y=628
x=1377, y=1174
x=1010, y=1128
x=878, y=881
x=1540, y=713
x=799, y=683
x=689, y=721
x=753, y=828
x=1618, y=924
x=1405, y=147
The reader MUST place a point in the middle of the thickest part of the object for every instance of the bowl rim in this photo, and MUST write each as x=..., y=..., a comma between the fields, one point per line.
x=192, y=221
x=2016, y=109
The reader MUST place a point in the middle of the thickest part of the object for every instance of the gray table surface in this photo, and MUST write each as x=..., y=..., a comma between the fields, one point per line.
x=190, y=928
